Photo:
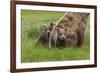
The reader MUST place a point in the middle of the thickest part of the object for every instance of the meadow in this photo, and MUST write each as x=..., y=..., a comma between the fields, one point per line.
x=31, y=27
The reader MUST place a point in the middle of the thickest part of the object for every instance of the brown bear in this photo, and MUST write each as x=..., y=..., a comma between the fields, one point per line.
x=58, y=38
x=75, y=24
x=44, y=36
x=61, y=38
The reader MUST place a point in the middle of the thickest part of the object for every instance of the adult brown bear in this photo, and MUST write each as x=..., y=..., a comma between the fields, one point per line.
x=75, y=25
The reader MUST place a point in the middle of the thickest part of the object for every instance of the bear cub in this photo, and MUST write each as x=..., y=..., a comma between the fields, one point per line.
x=44, y=36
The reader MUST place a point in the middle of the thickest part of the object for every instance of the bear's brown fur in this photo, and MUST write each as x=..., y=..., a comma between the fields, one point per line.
x=44, y=36
x=58, y=38
x=75, y=23
x=71, y=37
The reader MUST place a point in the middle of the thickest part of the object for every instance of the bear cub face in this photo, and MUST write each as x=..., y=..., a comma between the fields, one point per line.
x=61, y=38
x=48, y=29
x=61, y=34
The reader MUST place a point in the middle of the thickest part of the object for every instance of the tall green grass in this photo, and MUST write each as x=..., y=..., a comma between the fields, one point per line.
x=32, y=23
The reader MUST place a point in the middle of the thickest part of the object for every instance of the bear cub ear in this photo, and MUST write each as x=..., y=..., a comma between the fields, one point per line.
x=51, y=25
x=43, y=27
